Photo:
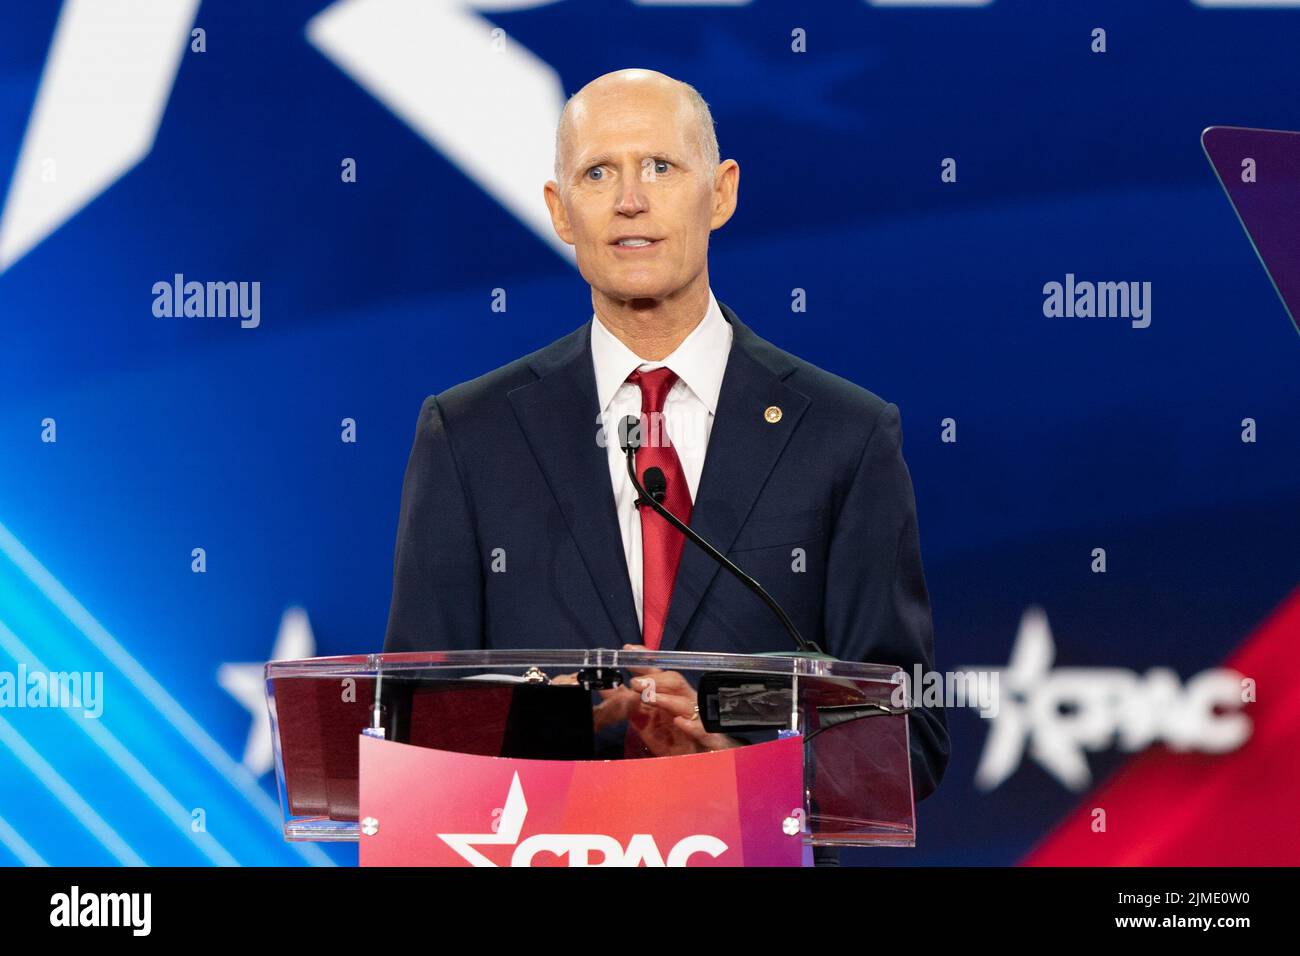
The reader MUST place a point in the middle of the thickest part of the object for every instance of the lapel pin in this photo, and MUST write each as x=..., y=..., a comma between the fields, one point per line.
x=772, y=414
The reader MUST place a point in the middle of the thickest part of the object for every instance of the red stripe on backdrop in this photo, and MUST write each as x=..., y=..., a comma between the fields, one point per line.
x=1195, y=809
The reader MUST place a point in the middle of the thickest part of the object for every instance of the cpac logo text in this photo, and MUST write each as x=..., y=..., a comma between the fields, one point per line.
x=577, y=849
x=1058, y=714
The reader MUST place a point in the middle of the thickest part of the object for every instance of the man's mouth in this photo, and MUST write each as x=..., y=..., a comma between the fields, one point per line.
x=636, y=242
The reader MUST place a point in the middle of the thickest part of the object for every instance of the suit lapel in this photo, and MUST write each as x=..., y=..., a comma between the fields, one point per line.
x=743, y=448
x=559, y=414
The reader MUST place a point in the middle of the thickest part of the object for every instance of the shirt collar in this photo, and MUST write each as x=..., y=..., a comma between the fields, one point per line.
x=699, y=361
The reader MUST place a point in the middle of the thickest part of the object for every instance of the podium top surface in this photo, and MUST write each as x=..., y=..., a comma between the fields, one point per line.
x=449, y=662
x=542, y=706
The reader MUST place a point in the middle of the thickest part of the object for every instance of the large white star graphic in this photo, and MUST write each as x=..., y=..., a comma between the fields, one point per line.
x=247, y=684
x=105, y=86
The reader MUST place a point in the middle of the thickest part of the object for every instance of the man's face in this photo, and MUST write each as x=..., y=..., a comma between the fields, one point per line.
x=635, y=172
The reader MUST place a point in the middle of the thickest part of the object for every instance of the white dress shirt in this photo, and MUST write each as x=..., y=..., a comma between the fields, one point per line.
x=700, y=362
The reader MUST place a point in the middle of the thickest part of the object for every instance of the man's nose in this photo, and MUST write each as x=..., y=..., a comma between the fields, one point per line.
x=632, y=196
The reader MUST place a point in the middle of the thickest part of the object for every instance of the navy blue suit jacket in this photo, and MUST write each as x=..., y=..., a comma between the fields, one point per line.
x=511, y=461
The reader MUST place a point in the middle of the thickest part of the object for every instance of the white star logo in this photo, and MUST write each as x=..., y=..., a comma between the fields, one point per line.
x=247, y=684
x=1057, y=715
x=510, y=825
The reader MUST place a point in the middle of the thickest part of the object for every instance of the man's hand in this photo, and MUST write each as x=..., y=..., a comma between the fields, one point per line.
x=661, y=708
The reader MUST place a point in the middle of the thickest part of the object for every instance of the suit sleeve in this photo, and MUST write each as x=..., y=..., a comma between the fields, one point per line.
x=437, y=601
x=877, y=606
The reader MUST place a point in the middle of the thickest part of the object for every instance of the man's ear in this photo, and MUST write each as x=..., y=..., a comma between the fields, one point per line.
x=726, y=191
x=559, y=217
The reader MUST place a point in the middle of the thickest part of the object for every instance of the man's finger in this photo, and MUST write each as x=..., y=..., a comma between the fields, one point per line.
x=693, y=729
x=667, y=681
x=675, y=705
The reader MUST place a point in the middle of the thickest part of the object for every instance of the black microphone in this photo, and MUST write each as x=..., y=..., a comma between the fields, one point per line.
x=629, y=433
x=652, y=493
x=656, y=483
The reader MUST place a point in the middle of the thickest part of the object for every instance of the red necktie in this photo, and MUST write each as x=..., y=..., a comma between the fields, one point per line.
x=661, y=543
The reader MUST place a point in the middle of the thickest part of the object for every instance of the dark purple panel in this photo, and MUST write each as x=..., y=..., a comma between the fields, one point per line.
x=1269, y=207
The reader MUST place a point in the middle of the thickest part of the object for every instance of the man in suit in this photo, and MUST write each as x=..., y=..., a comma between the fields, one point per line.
x=518, y=525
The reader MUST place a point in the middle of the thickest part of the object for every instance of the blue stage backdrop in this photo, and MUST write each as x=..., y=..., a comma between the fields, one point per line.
x=1109, y=506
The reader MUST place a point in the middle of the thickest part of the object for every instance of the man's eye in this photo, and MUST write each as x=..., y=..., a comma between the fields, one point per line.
x=661, y=162
x=595, y=173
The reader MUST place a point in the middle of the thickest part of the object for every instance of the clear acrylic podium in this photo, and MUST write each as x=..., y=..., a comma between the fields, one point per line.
x=852, y=719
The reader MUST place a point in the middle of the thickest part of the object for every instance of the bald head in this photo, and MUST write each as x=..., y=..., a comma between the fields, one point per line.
x=635, y=91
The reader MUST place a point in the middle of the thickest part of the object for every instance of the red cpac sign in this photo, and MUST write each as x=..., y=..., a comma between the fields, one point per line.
x=740, y=807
